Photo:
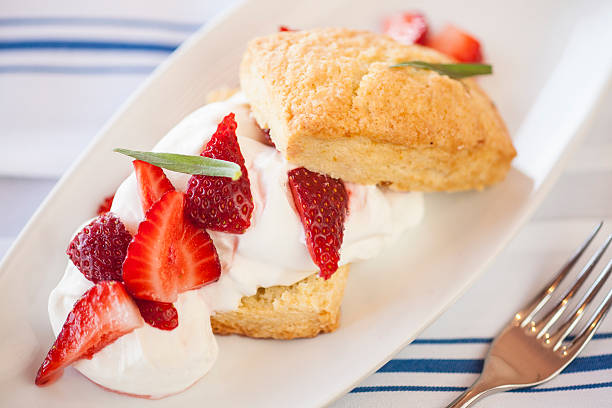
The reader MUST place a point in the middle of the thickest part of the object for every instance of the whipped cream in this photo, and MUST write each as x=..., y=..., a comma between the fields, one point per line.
x=146, y=362
x=271, y=252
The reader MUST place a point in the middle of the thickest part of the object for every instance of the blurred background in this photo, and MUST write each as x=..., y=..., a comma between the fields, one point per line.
x=65, y=68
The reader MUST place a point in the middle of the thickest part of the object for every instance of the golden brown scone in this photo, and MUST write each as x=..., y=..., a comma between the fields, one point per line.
x=333, y=105
x=304, y=309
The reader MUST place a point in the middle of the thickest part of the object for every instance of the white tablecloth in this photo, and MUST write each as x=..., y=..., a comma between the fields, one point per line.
x=94, y=54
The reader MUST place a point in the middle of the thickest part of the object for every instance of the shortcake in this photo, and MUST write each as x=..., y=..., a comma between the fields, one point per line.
x=245, y=218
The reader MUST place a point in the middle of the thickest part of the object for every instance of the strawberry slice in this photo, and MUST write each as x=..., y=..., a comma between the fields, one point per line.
x=106, y=205
x=152, y=183
x=98, y=250
x=150, y=268
x=322, y=203
x=168, y=255
x=456, y=43
x=407, y=28
x=102, y=315
x=158, y=314
x=219, y=203
x=267, y=139
x=198, y=259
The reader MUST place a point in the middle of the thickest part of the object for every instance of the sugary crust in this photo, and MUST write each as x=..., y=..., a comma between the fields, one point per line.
x=334, y=105
x=303, y=309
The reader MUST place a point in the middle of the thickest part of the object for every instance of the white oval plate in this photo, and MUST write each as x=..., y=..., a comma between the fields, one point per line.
x=543, y=88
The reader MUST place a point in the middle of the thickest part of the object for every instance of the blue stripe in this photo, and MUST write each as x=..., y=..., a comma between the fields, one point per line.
x=85, y=45
x=580, y=364
x=568, y=387
x=465, y=340
x=391, y=388
x=484, y=340
x=101, y=21
x=388, y=388
x=432, y=366
x=76, y=70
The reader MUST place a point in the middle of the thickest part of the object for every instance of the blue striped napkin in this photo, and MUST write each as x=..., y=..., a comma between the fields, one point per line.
x=97, y=56
x=448, y=356
x=93, y=54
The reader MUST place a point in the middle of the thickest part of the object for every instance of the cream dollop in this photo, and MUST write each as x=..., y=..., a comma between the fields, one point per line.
x=271, y=252
x=146, y=362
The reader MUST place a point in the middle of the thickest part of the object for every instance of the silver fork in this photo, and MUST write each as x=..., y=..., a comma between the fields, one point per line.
x=527, y=352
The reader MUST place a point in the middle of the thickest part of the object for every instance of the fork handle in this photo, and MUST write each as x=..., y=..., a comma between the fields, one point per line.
x=478, y=390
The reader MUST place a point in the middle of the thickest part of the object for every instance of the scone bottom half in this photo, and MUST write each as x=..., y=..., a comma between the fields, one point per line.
x=304, y=309
x=334, y=105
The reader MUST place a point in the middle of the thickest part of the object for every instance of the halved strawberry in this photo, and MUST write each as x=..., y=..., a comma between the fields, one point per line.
x=219, y=203
x=103, y=314
x=158, y=314
x=150, y=268
x=198, y=259
x=168, y=255
x=322, y=203
x=152, y=183
x=407, y=28
x=98, y=250
x=456, y=43
x=105, y=206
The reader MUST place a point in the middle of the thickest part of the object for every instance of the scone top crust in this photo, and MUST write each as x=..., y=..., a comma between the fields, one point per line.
x=334, y=105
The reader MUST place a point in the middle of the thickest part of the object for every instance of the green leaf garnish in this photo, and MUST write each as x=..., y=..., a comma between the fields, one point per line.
x=187, y=164
x=455, y=71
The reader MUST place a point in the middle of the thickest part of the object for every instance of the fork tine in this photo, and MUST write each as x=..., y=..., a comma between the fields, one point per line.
x=589, y=330
x=526, y=315
x=545, y=324
x=563, y=331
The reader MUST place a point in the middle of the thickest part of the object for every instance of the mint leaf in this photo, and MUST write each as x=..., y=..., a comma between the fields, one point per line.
x=187, y=164
x=455, y=71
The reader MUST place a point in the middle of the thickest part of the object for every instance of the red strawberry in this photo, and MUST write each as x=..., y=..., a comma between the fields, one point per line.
x=150, y=270
x=152, y=183
x=266, y=138
x=456, y=43
x=105, y=206
x=168, y=255
x=407, y=28
x=196, y=247
x=285, y=28
x=219, y=203
x=103, y=314
x=198, y=259
x=98, y=250
x=322, y=203
x=159, y=315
